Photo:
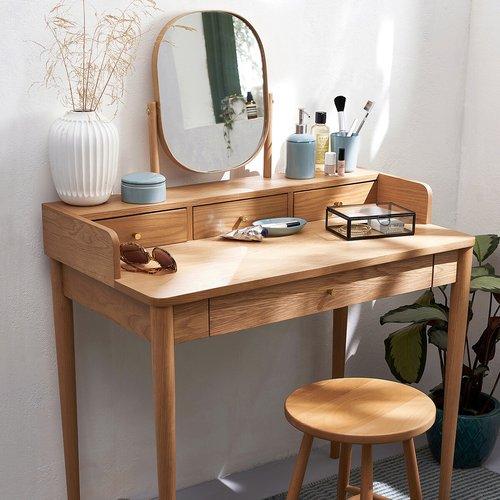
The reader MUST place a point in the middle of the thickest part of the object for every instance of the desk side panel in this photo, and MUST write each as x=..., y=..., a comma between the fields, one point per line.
x=81, y=244
x=416, y=196
x=190, y=320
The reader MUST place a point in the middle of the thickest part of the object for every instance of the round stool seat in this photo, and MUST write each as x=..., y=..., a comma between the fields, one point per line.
x=360, y=410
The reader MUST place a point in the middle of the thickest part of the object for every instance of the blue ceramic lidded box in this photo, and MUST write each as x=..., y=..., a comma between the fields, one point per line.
x=144, y=187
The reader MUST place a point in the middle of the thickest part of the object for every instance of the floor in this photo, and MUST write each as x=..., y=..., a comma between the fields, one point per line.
x=272, y=478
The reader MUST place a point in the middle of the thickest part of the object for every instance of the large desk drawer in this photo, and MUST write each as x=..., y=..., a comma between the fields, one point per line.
x=300, y=298
x=158, y=228
x=311, y=205
x=217, y=218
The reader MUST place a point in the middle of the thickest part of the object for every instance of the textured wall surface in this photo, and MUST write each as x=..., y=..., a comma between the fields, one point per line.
x=478, y=209
x=410, y=57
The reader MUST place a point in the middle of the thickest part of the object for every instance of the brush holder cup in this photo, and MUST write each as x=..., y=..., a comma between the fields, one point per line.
x=351, y=146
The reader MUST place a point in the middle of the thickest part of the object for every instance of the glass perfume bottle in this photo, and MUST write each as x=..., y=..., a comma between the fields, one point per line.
x=251, y=106
x=321, y=133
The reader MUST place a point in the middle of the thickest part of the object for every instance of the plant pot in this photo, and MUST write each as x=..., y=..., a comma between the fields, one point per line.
x=83, y=152
x=476, y=437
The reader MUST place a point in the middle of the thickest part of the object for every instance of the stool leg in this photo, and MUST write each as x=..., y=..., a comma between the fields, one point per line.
x=366, y=473
x=412, y=470
x=344, y=470
x=300, y=468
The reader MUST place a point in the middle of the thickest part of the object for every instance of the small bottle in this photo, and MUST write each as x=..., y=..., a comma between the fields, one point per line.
x=341, y=162
x=330, y=163
x=251, y=106
x=321, y=134
x=300, y=149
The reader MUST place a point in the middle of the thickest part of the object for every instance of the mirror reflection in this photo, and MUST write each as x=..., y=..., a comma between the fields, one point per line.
x=211, y=91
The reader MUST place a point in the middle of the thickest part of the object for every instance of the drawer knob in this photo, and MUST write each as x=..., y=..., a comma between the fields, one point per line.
x=137, y=236
x=331, y=292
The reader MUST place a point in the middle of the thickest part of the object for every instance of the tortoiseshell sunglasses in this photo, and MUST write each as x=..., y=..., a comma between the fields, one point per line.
x=136, y=255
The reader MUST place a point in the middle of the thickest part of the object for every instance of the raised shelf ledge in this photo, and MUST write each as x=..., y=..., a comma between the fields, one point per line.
x=216, y=192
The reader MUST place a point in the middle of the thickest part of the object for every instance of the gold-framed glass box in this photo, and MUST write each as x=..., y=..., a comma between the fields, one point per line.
x=371, y=220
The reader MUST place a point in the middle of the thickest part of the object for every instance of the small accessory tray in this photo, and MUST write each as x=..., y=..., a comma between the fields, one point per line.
x=371, y=220
x=281, y=226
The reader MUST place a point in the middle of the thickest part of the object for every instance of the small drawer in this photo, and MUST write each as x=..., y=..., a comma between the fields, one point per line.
x=252, y=308
x=311, y=205
x=218, y=218
x=159, y=228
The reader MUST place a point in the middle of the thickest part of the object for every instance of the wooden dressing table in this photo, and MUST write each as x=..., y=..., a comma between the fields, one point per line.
x=226, y=286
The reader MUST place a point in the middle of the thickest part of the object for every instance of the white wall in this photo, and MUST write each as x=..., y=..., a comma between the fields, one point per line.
x=478, y=209
x=408, y=56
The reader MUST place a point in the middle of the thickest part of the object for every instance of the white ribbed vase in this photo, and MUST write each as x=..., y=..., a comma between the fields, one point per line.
x=83, y=152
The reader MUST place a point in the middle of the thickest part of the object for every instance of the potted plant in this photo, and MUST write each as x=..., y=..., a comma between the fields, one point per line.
x=87, y=61
x=427, y=323
x=233, y=109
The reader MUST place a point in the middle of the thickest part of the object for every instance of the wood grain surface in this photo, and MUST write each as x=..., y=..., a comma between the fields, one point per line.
x=214, y=267
x=81, y=244
x=360, y=410
x=311, y=205
x=158, y=228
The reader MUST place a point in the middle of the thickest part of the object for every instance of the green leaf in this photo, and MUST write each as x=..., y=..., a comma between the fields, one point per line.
x=484, y=270
x=438, y=337
x=415, y=313
x=484, y=246
x=486, y=283
x=481, y=371
x=426, y=298
x=486, y=345
x=406, y=353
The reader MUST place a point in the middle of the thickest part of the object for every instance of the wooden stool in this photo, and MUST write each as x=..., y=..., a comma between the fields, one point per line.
x=358, y=411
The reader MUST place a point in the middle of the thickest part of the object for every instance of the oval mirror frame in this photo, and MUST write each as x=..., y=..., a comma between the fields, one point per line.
x=156, y=91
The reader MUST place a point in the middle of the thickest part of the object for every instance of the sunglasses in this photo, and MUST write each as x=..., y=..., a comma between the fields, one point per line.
x=139, y=259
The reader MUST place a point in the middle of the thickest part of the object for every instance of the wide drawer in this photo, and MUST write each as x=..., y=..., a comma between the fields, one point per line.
x=159, y=228
x=311, y=205
x=300, y=298
x=217, y=218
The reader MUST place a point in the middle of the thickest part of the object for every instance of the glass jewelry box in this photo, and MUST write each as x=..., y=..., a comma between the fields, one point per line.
x=372, y=220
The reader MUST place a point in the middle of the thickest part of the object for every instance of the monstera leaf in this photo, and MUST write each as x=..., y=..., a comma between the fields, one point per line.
x=406, y=353
x=415, y=313
x=484, y=246
x=489, y=283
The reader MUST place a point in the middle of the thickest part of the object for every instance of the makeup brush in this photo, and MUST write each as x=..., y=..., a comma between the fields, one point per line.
x=368, y=107
x=340, y=105
x=353, y=127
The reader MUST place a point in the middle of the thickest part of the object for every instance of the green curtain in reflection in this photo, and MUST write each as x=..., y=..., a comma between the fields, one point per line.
x=221, y=58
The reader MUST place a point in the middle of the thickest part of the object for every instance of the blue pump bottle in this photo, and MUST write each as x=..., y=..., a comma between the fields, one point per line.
x=300, y=151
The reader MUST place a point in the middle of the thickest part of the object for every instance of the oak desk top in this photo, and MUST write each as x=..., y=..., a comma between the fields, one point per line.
x=213, y=267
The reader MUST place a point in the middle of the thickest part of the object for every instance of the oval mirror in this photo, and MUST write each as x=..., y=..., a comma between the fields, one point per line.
x=210, y=83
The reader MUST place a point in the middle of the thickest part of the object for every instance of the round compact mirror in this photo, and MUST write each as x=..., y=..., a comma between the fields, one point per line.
x=210, y=83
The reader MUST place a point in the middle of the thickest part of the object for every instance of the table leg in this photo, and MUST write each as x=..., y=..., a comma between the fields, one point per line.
x=65, y=352
x=338, y=356
x=162, y=355
x=454, y=360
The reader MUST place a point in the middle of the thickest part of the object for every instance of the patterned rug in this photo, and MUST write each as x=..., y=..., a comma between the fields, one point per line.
x=390, y=480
